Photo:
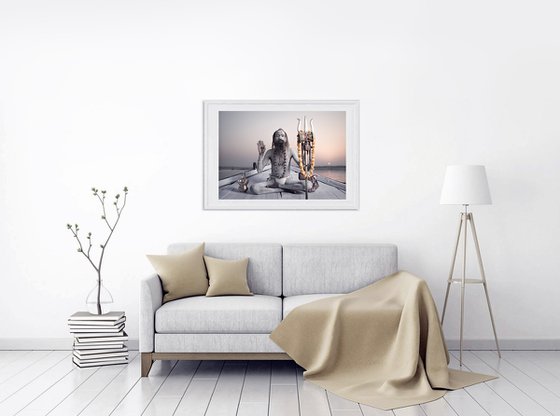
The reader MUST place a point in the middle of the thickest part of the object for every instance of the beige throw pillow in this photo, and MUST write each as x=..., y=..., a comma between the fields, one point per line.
x=181, y=275
x=227, y=277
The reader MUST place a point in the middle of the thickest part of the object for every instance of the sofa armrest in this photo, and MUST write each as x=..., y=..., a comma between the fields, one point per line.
x=151, y=295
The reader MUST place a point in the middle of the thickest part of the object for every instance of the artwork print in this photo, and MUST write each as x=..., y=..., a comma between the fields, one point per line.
x=275, y=158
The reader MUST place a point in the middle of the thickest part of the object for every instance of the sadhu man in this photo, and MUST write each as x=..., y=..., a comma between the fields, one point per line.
x=280, y=157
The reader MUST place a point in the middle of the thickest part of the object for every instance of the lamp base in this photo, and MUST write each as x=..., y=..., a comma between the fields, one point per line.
x=466, y=219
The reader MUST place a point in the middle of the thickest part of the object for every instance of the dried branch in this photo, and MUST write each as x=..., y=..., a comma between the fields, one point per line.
x=75, y=229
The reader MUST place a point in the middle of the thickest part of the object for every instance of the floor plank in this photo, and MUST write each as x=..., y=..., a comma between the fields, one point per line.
x=197, y=397
x=27, y=375
x=225, y=400
x=465, y=403
x=209, y=370
x=50, y=398
x=115, y=390
x=172, y=390
x=348, y=412
x=22, y=397
x=139, y=396
x=372, y=411
x=522, y=381
x=409, y=411
x=80, y=398
x=545, y=378
x=337, y=403
x=20, y=364
x=256, y=388
x=547, y=360
x=252, y=409
x=40, y=382
x=312, y=398
x=6, y=357
x=284, y=398
x=517, y=399
x=492, y=403
x=438, y=407
x=283, y=372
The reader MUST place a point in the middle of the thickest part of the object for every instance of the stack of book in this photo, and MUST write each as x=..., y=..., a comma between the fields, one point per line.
x=98, y=339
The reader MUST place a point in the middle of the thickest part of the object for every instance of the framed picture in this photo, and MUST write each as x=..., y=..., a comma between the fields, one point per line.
x=281, y=154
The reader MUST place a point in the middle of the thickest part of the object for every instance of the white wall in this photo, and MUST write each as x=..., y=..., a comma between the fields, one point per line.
x=109, y=93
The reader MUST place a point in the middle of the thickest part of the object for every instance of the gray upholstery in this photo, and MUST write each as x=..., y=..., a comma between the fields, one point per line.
x=264, y=272
x=151, y=295
x=292, y=302
x=335, y=268
x=257, y=314
x=304, y=273
x=215, y=343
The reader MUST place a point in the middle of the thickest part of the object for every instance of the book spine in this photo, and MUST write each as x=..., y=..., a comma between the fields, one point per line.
x=98, y=342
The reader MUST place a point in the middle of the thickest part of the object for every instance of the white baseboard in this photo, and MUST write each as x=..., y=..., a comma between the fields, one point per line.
x=453, y=344
x=506, y=344
x=62, y=344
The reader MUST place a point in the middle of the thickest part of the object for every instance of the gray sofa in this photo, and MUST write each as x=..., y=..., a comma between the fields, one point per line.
x=282, y=277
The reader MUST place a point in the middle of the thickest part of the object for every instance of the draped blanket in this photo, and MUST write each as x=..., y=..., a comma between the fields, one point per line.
x=381, y=345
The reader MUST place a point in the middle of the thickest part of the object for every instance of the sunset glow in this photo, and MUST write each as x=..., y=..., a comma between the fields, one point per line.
x=239, y=132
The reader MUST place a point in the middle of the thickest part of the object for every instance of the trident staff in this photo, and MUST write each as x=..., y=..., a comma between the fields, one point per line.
x=306, y=151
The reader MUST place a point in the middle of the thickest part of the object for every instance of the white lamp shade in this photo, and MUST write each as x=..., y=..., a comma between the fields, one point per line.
x=465, y=185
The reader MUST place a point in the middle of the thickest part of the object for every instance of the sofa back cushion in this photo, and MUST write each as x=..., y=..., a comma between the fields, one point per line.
x=264, y=272
x=335, y=268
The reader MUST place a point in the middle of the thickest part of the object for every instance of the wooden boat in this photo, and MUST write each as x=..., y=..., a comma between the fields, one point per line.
x=328, y=188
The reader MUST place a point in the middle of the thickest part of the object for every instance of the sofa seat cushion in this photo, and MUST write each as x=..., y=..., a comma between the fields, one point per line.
x=257, y=314
x=292, y=302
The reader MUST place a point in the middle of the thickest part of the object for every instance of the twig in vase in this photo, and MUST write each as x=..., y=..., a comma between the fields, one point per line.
x=119, y=204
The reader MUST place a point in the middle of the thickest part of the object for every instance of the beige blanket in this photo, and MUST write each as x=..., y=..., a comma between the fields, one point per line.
x=381, y=345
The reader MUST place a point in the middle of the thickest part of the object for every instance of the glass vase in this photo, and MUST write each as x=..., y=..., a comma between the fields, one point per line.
x=99, y=300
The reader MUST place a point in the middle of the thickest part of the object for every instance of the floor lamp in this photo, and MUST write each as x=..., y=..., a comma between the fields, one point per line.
x=466, y=185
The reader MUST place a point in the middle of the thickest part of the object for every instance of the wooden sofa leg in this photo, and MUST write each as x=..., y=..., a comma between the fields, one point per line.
x=146, y=363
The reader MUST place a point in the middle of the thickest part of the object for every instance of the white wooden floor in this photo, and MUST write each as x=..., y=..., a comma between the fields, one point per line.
x=46, y=382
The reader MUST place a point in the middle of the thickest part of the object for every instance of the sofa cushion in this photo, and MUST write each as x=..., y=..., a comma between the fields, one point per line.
x=257, y=314
x=292, y=302
x=182, y=274
x=335, y=268
x=227, y=277
x=264, y=271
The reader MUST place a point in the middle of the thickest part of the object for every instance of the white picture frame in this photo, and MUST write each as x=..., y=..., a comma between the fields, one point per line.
x=219, y=194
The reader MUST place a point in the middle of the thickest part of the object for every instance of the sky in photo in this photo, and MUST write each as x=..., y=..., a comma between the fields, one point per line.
x=239, y=132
